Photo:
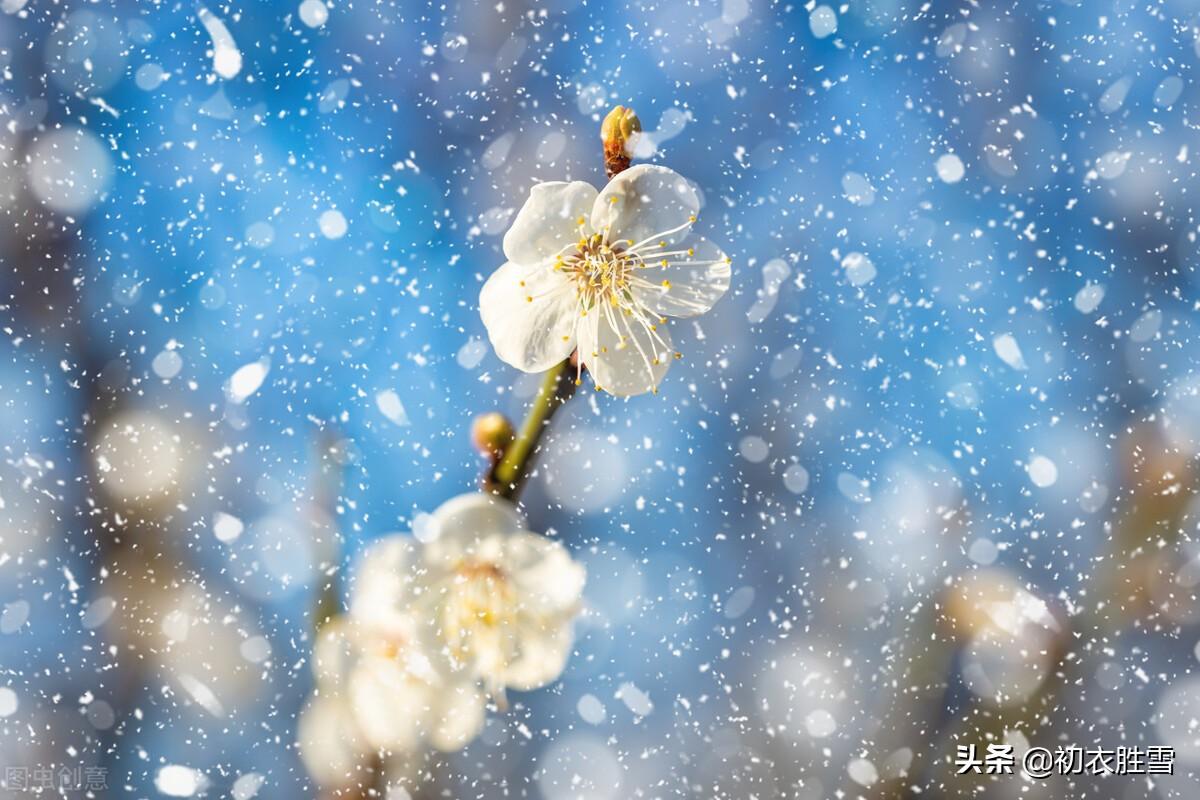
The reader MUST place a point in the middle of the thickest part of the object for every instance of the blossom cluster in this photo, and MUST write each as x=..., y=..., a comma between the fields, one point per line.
x=434, y=632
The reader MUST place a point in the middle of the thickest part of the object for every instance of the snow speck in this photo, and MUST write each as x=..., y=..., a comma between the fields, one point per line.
x=101, y=715
x=635, y=699
x=333, y=224
x=795, y=479
x=260, y=235
x=950, y=168
x=1146, y=326
x=314, y=13
x=1093, y=497
x=388, y=403
x=820, y=723
x=983, y=551
x=167, y=364
x=248, y=379
x=1042, y=471
x=862, y=772
x=1112, y=164
x=174, y=780
x=247, y=786
x=227, y=59
x=963, y=395
x=98, y=611
x=1009, y=351
x=739, y=602
x=823, y=22
x=1088, y=298
x=853, y=488
x=226, y=527
x=859, y=269
x=785, y=362
x=8, y=702
x=256, y=649
x=1114, y=96
x=200, y=692
x=753, y=448
x=775, y=272
x=591, y=710
x=149, y=77
x=69, y=169
x=471, y=354
x=15, y=615
x=1168, y=91
x=857, y=189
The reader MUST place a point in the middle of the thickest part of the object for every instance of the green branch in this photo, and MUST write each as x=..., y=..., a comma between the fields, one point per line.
x=510, y=473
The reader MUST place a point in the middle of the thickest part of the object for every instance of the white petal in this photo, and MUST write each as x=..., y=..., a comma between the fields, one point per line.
x=546, y=577
x=457, y=716
x=335, y=652
x=529, y=313
x=544, y=646
x=330, y=744
x=383, y=580
x=645, y=202
x=461, y=523
x=693, y=283
x=625, y=361
x=549, y=221
x=390, y=704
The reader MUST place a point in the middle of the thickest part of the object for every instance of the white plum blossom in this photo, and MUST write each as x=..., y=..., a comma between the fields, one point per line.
x=493, y=600
x=376, y=690
x=329, y=741
x=601, y=272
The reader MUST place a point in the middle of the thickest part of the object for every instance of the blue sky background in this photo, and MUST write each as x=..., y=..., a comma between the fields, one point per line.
x=715, y=570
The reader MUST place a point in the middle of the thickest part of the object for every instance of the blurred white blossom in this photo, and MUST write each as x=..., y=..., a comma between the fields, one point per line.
x=482, y=603
x=491, y=600
x=376, y=690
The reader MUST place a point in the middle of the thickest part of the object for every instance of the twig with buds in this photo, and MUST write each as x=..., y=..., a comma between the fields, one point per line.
x=511, y=457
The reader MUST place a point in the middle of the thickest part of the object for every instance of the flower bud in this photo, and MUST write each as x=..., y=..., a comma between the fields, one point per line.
x=619, y=132
x=491, y=433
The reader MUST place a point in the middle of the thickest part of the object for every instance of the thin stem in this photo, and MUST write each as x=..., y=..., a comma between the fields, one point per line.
x=509, y=475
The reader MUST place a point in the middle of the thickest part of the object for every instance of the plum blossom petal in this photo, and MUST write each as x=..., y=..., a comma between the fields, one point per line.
x=390, y=703
x=383, y=582
x=690, y=285
x=335, y=652
x=463, y=521
x=330, y=743
x=544, y=572
x=542, y=657
x=549, y=221
x=529, y=312
x=457, y=716
x=625, y=355
x=646, y=202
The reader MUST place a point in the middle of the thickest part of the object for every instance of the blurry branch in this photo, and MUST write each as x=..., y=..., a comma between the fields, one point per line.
x=1161, y=482
x=914, y=693
x=327, y=487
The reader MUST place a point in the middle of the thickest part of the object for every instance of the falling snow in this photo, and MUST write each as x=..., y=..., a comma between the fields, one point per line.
x=598, y=400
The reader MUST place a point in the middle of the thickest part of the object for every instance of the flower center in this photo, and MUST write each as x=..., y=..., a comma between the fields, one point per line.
x=480, y=605
x=602, y=272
